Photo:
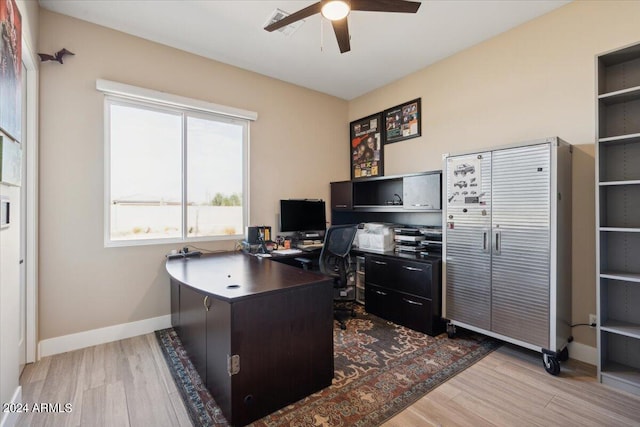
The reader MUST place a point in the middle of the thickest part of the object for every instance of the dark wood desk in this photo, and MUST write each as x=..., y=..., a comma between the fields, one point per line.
x=260, y=333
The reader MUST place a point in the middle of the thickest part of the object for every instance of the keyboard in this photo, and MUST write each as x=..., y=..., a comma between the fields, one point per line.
x=310, y=246
x=286, y=251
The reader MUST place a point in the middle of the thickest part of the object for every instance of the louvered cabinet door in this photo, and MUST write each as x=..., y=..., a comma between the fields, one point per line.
x=467, y=228
x=521, y=180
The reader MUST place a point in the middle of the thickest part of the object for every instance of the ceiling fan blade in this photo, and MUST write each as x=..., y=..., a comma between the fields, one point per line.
x=341, y=28
x=296, y=16
x=386, y=6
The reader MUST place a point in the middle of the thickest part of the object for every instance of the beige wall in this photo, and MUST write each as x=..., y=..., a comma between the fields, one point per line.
x=534, y=81
x=297, y=147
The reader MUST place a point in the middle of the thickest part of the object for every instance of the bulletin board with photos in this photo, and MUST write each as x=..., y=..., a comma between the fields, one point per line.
x=366, y=148
x=402, y=122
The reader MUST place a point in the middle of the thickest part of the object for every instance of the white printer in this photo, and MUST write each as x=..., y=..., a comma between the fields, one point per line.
x=375, y=237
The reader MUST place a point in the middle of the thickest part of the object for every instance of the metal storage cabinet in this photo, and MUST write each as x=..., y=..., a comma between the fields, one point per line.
x=507, y=245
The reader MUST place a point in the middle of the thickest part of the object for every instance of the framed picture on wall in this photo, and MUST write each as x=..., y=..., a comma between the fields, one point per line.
x=10, y=69
x=402, y=122
x=365, y=148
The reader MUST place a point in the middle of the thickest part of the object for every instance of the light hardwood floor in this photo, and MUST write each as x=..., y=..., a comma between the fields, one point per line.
x=127, y=383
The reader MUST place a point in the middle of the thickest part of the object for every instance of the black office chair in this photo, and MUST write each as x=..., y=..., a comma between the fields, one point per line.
x=336, y=262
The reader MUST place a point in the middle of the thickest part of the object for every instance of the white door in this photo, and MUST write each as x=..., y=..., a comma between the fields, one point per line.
x=22, y=322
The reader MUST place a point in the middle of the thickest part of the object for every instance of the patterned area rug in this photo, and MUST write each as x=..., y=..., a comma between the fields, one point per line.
x=380, y=369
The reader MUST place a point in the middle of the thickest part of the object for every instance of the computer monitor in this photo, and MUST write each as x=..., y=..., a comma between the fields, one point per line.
x=302, y=215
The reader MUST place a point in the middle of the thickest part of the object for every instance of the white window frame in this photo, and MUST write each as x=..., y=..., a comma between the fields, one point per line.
x=121, y=94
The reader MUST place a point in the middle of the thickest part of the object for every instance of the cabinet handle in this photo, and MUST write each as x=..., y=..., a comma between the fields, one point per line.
x=381, y=293
x=206, y=303
x=380, y=262
x=341, y=206
x=412, y=302
x=485, y=241
x=406, y=267
x=498, y=236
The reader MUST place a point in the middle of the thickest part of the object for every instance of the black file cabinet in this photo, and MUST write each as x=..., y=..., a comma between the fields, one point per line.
x=405, y=291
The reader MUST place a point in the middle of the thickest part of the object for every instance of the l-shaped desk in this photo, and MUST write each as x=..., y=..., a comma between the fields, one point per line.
x=259, y=333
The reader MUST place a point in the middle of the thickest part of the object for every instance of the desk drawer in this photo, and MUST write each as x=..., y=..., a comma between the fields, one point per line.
x=380, y=302
x=407, y=310
x=415, y=313
x=402, y=275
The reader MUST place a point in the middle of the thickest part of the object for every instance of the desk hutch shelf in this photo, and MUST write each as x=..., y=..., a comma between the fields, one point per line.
x=618, y=218
x=403, y=199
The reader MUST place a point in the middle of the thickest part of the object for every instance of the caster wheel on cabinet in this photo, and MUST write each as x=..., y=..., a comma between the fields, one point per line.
x=551, y=364
x=451, y=330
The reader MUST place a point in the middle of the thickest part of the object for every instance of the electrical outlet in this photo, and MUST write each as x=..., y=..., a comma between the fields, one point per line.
x=593, y=319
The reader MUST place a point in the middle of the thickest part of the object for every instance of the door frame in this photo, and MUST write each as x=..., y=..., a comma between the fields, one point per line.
x=30, y=145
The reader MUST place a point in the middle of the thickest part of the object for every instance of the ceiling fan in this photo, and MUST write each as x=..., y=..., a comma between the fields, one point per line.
x=337, y=11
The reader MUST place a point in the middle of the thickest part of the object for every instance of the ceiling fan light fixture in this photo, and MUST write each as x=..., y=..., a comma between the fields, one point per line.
x=335, y=10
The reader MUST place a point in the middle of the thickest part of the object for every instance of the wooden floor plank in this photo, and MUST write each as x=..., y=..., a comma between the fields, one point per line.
x=93, y=411
x=180, y=410
x=427, y=411
x=143, y=387
x=444, y=392
x=158, y=358
x=115, y=405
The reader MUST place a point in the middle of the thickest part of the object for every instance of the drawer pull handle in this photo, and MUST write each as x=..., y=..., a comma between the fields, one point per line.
x=412, y=302
x=341, y=206
x=380, y=262
x=206, y=303
x=381, y=293
x=411, y=268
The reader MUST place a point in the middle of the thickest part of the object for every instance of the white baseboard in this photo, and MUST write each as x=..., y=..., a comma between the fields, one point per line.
x=583, y=353
x=9, y=419
x=93, y=337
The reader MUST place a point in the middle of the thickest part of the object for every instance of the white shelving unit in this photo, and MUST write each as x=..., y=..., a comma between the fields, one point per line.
x=618, y=218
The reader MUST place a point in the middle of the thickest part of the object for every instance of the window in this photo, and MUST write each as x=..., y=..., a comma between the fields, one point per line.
x=173, y=174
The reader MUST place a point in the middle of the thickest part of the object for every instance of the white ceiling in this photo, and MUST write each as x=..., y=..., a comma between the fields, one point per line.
x=384, y=46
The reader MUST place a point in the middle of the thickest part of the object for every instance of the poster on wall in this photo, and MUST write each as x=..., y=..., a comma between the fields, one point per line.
x=465, y=181
x=402, y=122
x=366, y=151
x=10, y=69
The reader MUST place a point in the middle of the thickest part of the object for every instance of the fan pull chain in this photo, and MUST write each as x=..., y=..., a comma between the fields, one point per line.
x=321, y=34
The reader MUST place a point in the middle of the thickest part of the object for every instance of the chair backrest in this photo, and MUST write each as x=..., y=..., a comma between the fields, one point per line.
x=336, y=248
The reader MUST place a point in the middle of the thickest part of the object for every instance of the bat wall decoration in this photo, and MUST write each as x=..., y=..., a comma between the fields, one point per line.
x=55, y=57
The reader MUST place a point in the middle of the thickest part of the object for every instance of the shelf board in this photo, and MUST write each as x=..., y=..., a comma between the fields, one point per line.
x=621, y=229
x=624, y=95
x=631, y=330
x=632, y=137
x=391, y=208
x=620, y=372
x=378, y=208
x=619, y=56
x=612, y=183
x=615, y=275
